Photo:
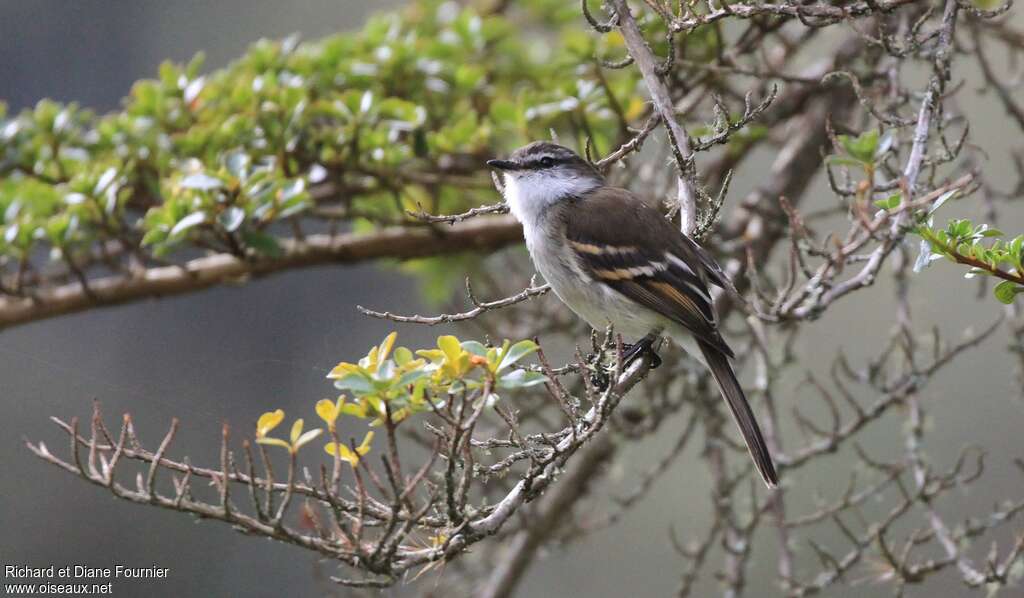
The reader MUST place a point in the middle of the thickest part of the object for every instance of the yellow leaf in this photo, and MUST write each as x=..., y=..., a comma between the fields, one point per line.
x=370, y=361
x=268, y=421
x=329, y=411
x=403, y=356
x=417, y=392
x=385, y=346
x=434, y=355
x=274, y=442
x=635, y=109
x=451, y=347
x=343, y=369
x=355, y=409
x=396, y=417
x=345, y=453
x=364, y=447
x=306, y=438
x=296, y=430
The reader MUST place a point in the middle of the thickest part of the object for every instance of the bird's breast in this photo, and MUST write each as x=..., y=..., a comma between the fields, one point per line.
x=591, y=300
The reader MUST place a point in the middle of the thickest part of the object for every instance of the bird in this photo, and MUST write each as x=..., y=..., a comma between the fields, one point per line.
x=613, y=258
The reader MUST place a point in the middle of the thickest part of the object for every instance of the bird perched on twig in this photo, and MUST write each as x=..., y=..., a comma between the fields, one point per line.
x=612, y=258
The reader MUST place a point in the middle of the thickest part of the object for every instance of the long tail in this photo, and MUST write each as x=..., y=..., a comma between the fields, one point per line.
x=730, y=387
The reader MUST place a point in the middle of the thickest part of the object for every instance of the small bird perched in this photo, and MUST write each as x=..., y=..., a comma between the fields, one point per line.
x=612, y=258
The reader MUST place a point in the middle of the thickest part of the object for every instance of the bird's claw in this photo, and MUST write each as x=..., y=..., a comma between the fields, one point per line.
x=599, y=377
x=637, y=350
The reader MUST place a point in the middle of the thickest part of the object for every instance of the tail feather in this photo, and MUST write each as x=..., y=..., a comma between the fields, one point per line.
x=744, y=417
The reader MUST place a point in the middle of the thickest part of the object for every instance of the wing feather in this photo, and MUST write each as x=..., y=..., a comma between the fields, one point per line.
x=659, y=270
x=668, y=273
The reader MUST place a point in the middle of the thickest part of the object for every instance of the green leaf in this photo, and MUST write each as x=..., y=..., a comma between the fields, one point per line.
x=366, y=102
x=889, y=203
x=231, y=218
x=201, y=181
x=517, y=352
x=475, y=347
x=190, y=221
x=356, y=383
x=385, y=371
x=1007, y=291
x=262, y=242
x=154, y=236
x=237, y=164
x=521, y=379
x=862, y=147
x=844, y=161
x=104, y=181
x=292, y=189
x=410, y=377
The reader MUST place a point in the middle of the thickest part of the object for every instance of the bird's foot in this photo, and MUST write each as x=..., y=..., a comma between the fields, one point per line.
x=599, y=377
x=637, y=350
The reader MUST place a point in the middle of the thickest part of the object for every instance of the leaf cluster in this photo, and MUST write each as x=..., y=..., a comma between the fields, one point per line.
x=390, y=384
x=980, y=247
x=389, y=119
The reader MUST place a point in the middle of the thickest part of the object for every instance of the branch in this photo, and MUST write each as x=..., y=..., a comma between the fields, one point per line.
x=480, y=307
x=825, y=14
x=313, y=250
x=498, y=208
x=524, y=545
x=533, y=485
x=678, y=138
x=912, y=169
x=630, y=146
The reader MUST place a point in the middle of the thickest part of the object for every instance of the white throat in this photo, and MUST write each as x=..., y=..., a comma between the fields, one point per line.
x=530, y=195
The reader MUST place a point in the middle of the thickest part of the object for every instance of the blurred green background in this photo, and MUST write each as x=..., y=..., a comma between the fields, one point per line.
x=230, y=353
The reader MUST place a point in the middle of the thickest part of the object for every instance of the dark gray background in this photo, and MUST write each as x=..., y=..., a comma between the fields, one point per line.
x=230, y=353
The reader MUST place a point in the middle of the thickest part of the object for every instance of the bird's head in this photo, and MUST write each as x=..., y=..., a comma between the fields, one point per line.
x=542, y=173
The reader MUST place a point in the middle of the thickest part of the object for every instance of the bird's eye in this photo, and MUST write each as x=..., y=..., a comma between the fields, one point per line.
x=547, y=161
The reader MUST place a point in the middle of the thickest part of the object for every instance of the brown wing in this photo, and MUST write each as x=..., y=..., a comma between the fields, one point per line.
x=660, y=269
x=668, y=273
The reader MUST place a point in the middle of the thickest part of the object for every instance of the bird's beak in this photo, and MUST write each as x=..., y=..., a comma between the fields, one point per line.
x=503, y=164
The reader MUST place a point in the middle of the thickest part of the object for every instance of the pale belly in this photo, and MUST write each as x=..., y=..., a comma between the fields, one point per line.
x=594, y=302
x=599, y=305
